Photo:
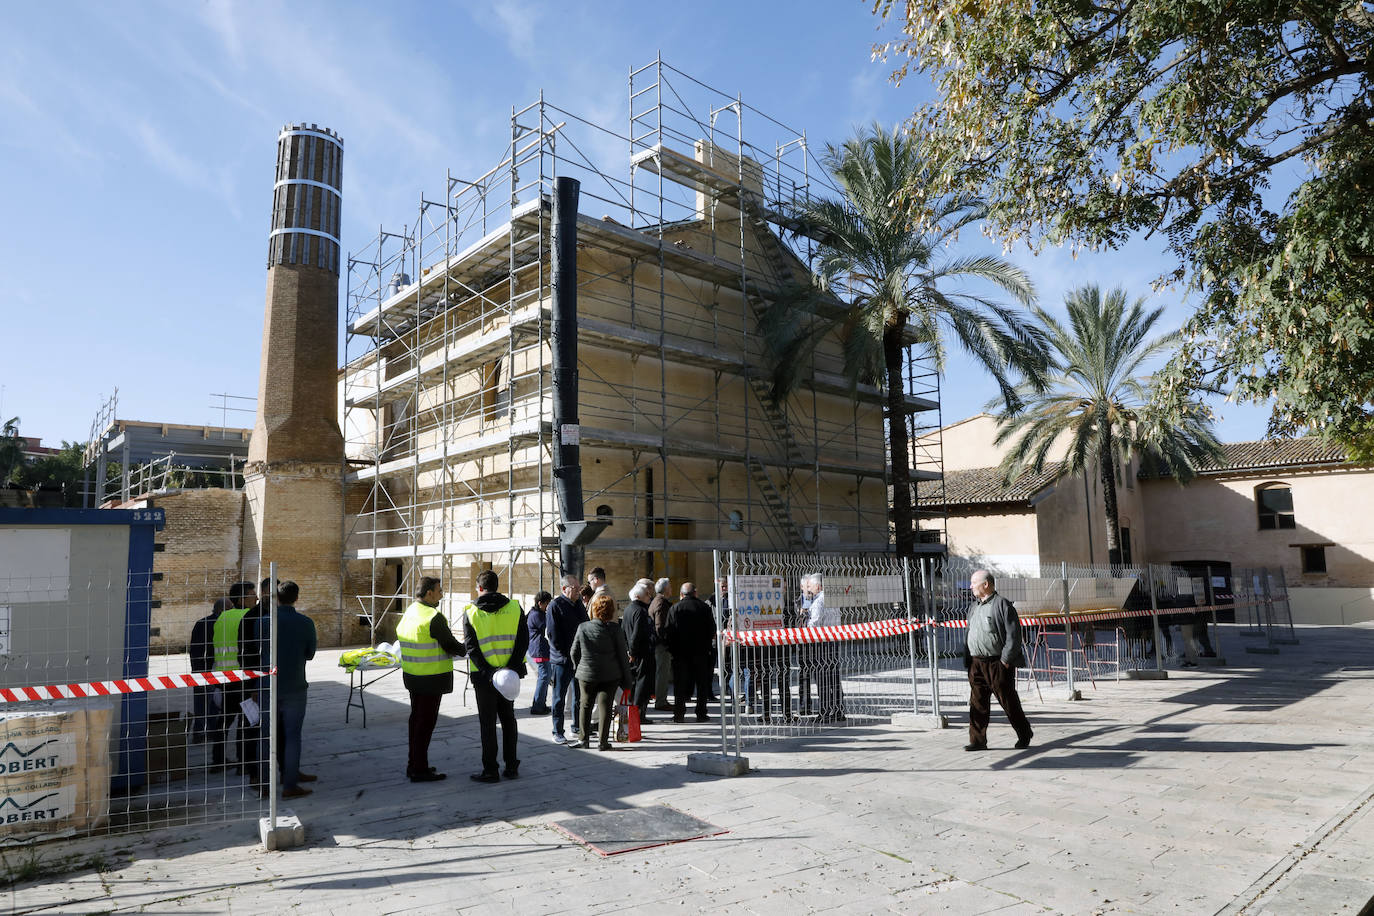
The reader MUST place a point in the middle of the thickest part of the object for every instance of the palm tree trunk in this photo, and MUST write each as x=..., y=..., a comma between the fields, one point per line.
x=899, y=443
x=1107, y=468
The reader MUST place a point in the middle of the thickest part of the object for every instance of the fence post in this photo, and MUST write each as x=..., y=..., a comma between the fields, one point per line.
x=1068, y=632
x=911, y=633
x=721, y=764
x=1154, y=616
x=927, y=568
x=720, y=648
x=270, y=714
x=286, y=831
x=734, y=655
x=1292, y=638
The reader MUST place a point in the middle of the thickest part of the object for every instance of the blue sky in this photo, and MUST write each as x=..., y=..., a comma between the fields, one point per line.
x=137, y=152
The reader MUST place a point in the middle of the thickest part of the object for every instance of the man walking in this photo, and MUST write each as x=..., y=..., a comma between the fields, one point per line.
x=663, y=659
x=496, y=638
x=992, y=655
x=427, y=651
x=691, y=627
x=566, y=614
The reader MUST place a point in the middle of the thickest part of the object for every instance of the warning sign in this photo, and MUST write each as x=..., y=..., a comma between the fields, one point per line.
x=759, y=600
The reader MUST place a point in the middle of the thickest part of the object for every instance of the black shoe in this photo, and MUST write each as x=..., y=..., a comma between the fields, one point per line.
x=428, y=776
x=1024, y=742
x=603, y=747
x=486, y=777
x=679, y=718
x=975, y=747
x=306, y=777
x=410, y=772
x=713, y=699
x=645, y=720
x=512, y=772
x=703, y=718
x=540, y=710
x=659, y=708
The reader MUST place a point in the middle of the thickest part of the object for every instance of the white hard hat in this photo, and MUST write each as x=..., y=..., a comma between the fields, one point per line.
x=507, y=682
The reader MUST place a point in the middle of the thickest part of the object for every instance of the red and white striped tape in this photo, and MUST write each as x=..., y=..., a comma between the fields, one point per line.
x=126, y=685
x=791, y=637
x=897, y=626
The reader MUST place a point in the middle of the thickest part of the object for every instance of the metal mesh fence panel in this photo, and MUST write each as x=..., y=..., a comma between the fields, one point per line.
x=103, y=733
x=813, y=642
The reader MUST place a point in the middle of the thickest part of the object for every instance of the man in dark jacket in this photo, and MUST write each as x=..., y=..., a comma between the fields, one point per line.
x=992, y=654
x=537, y=621
x=207, y=711
x=427, y=650
x=296, y=643
x=639, y=633
x=496, y=638
x=566, y=614
x=663, y=659
x=691, y=628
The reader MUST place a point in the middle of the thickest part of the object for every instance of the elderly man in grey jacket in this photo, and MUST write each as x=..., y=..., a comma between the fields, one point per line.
x=992, y=655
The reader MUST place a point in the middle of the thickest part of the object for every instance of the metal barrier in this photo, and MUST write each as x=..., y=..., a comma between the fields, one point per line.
x=107, y=729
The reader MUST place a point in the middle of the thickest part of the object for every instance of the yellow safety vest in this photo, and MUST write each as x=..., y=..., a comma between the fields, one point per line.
x=227, y=638
x=495, y=633
x=420, y=652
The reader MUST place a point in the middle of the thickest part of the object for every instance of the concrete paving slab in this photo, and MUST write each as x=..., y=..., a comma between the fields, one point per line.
x=1246, y=789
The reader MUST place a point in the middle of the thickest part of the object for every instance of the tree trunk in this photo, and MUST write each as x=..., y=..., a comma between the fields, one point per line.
x=1106, y=465
x=899, y=444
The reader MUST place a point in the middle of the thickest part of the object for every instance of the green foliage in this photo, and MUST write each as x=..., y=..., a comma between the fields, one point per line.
x=891, y=272
x=1099, y=408
x=11, y=453
x=1089, y=123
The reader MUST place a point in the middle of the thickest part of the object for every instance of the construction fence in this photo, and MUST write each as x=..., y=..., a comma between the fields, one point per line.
x=104, y=732
x=890, y=637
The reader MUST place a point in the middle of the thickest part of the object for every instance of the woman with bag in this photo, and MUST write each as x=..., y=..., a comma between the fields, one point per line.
x=602, y=658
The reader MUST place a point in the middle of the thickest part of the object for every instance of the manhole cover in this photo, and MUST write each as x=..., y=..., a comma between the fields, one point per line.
x=636, y=828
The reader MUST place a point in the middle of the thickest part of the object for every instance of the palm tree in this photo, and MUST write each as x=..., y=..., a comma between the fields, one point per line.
x=11, y=453
x=888, y=258
x=1099, y=409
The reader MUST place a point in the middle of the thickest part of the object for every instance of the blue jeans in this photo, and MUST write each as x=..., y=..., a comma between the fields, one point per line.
x=290, y=721
x=543, y=680
x=563, y=680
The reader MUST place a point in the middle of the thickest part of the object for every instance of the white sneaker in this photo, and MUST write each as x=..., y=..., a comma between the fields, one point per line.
x=559, y=739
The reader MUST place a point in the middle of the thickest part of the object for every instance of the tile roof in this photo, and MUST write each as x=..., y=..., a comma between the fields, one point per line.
x=983, y=486
x=1308, y=452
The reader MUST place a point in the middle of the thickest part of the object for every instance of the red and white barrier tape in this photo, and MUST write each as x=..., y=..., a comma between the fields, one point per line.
x=126, y=685
x=899, y=625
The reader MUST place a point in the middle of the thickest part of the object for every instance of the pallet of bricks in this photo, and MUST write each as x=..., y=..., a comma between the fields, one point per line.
x=54, y=769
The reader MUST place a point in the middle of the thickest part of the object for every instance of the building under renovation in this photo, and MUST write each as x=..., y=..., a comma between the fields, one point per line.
x=559, y=362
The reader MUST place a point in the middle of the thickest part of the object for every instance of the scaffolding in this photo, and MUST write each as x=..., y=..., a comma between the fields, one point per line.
x=685, y=449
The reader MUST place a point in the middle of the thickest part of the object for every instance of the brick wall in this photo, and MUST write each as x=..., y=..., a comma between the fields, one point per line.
x=198, y=562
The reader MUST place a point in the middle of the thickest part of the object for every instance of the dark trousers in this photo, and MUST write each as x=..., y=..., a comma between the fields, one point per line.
x=424, y=715
x=563, y=684
x=642, y=670
x=491, y=706
x=987, y=678
x=603, y=693
x=691, y=674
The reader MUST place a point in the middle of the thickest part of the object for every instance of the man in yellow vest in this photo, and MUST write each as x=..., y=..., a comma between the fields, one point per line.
x=427, y=650
x=496, y=637
x=226, y=641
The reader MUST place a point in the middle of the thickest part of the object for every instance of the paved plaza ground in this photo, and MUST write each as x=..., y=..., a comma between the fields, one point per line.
x=1244, y=789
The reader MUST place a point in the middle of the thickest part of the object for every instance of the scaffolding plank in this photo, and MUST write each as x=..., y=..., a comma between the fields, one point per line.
x=428, y=287
x=452, y=548
x=469, y=449
x=471, y=350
